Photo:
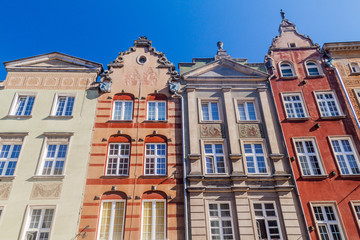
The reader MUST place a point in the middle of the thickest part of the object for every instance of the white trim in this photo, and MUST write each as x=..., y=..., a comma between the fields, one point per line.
x=354, y=205
x=156, y=110
x=122, y=115
x=56, y=101
x=156, y=157
x=153, y=217
x=118, y=158
x=318, y=67
x=291, y=94
x=292, y=68
x=213, y=143
x=264, y=149
x=208, y=101
x=335, y=99
x=219, y=218
x=13, y=107
x=112, y=216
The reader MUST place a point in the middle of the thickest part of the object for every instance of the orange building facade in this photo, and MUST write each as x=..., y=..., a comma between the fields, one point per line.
x=134, y=186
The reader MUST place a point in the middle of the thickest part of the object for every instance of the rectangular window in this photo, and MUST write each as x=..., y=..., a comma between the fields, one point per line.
x=221, y=226
x=122, y=110
x=112, y=220
x=64, y=106
x=357, y=211
x=309, y=157
x=210, y=111
x=39, y=223
x=327, y=222
x=215, y=158
x=9, y=154
x=345, y=155
x=294, y=105
x=23, y=105
x=328, y=104
x=155, y=159
x=267, y=221
x=156, y=110
x=246, y=111
x=153, y=220
x=118, y=159
x=255, y=158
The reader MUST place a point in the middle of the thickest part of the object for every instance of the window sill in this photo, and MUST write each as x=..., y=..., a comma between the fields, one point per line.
x=153, y=176
x=209, y=122
x=315, y=76
x=19, y=117
x=314, y=176
x=289, y=78
x=60, y=117
x=248, y=121
x=48, y=177
x=155, y=121
x=6, y=178
x=113, y=176
x=354, y=73
x=297, y=119
x=119, y=121
x=349, y=175
x=333, y=117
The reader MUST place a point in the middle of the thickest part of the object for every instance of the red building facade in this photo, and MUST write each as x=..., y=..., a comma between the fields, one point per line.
x=322, y=141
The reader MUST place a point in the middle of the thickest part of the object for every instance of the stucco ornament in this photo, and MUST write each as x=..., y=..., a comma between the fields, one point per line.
x=220, y=45
x=5, y=191
x=46, y=190
x=282, y=13
x=174, y=82
x=105, y=81
x=250, y=131
x=210, y=131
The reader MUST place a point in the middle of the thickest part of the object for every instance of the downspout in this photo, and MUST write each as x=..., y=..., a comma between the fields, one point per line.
x=286, y=147
x=330, y=64
x=184, y=165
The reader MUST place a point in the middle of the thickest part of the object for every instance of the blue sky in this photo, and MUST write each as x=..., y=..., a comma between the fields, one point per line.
x=98, y=31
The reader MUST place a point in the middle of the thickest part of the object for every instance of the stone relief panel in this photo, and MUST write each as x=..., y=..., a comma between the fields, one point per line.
x=148, y=77
x=51, y=81
x=211, y=131
x=46, y=191
x=16, y=81
x=251, y=130
x=33, y=81
x=67, y=82
x=5, y=189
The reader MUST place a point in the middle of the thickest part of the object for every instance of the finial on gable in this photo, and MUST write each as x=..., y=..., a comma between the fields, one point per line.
x=282, y=13
x=220, y=45
x=221, y=53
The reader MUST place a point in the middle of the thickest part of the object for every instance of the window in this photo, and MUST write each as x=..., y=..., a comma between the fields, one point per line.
x=64, y=106
x=356, y=209
x=345, y=155
x=308, y=157
x=312, y=69
x=327, y=222
x=294, y=105
x=118, y=159
x=292, y=45
x=221, y=226
x=214, y=157
x=286, y=70
x=210, y=111
x=23, y=105
x=354, y=68
x=328, y=104
x=38, y=225
x=1, y=211
x=267, y=221
x=153, y=220
x=112, y=220
x=155, y=159
x=255, y=158
x=357, y=94
x=156, y=110
x=9, y=154
x=246, y=111
x=122, y=110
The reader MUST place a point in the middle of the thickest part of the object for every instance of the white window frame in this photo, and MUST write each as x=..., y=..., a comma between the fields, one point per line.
x=317, y=67
x=153, y=218
x=292, y=102
x=266, y=218
x=246, y=110
x=112, y=217
x=219, y=218
x=307, y=155
x=10, y=140
x=213, y=155
x=122, y=115
x=357, y=95
x=56, y=104
x=54, y=140
x=326, y=222
x=355, y=65
x=28, y=215
x=14, y=105
x=156, y=157
x=336, y=101
x=156, y=110
x=8, y=159
x=118, y=157
x=354, y=153
x=253, y=142
x=208, y=101
x=355, y=206
x=291, y=67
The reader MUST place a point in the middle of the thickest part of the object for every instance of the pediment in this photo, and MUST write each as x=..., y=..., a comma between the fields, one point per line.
x=52, y=62
x=225, y=68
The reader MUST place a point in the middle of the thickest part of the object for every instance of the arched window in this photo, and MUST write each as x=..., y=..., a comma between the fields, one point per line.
x=156, y=107
x=355, y=68
x=155, y=155
x=312, y=69
x=118, y=156
x=112, y=216
x=153, y=216
x=286, y=70
x=123, y=107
